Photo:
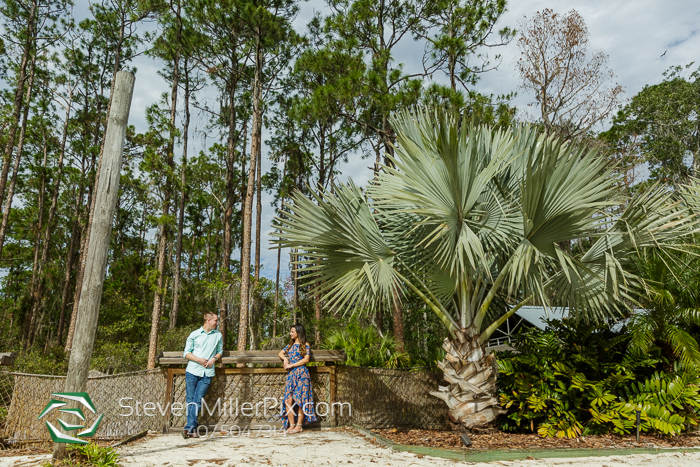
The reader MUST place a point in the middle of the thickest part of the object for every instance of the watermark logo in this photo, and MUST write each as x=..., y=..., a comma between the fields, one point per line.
x=55, y=433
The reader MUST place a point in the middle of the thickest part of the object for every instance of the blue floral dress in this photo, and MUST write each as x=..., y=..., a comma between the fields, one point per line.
x=298, y=387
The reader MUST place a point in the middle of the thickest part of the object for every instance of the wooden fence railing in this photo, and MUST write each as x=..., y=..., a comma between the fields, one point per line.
x=260, y=382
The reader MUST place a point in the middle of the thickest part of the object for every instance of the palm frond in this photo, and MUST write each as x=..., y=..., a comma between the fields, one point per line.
x=684, y=345
x=340, y=230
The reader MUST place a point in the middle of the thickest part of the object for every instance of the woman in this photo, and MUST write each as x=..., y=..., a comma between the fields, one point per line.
x=298, y=400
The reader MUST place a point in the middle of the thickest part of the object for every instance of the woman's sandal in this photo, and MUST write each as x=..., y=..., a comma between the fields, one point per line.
x=297, y=429
x=290, y=430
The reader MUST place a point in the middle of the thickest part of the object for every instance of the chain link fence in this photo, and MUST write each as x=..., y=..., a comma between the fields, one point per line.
x=391, y=398
x=24, y=396
x=133, y=402
x=231, y=391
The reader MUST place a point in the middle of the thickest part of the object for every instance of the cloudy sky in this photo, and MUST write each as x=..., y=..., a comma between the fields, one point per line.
x=634, y=33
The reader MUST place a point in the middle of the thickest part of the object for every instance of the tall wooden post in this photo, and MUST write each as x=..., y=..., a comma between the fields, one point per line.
x=105, y=204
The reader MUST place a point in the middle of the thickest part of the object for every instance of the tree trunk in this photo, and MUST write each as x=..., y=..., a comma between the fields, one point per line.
x=181, y=214
x=69, y=267
x=255, y=155
x=317, y=316
x=257, y=303
x=277, y=284
x=397, y=315
x=88, y=230
x=36, y=270
x=279, y=260
x=158, y=295
x=17, y=104
x=79, y=279
x=89, y=310
x=277, y=293
x=38, y=286
x=295, y=278
x=15, y=170
x=18, y=158
x=230, y=201
x=84, y=244
x=471, y=376
x=258, y=220
x=164, y=228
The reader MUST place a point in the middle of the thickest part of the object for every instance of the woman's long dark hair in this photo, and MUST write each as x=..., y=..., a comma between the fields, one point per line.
x=301, y=335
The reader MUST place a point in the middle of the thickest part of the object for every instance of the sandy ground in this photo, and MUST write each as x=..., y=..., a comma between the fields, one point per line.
x=322, y=448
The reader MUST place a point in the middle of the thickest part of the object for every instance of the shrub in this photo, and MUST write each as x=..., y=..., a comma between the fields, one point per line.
x=572, y=380
x=364, y=346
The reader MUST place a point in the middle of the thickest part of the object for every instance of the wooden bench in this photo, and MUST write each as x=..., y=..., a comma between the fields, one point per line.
x=7, y=358
x=254, y=356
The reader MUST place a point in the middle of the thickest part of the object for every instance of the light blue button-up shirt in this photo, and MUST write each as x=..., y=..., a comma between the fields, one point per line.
x=202, y=344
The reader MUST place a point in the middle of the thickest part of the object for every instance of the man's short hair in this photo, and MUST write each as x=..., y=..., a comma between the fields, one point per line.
x=208, y=315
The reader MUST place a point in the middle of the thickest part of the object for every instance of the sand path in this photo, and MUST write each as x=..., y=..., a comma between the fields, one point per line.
x=323, y=448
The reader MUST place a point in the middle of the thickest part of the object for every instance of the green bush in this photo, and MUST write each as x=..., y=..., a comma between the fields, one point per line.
x=572, y=380
x=36, y=362
x=364, y=346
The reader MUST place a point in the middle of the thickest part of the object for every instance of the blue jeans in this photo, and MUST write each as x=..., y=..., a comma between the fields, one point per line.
x=197, y=387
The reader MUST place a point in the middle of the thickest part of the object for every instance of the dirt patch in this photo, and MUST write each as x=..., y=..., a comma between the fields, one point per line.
x=24, y=451
x=500, y=440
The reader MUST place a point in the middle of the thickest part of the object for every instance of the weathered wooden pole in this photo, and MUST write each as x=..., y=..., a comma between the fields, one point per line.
x=107, y=192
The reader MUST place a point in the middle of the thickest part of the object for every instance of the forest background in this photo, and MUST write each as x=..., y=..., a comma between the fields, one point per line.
x=237, y=104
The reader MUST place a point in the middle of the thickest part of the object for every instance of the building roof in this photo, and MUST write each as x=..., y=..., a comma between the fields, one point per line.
x=536, y=315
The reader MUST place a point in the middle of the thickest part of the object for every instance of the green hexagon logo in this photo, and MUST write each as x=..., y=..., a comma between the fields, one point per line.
x=55, y=433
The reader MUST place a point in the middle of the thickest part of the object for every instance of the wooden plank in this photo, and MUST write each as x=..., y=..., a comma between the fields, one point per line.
x=272, y=370
x=254, y=359
x=333, y=393
x=256, y=353
x=168, y=397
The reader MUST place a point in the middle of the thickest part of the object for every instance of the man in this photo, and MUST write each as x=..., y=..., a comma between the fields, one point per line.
x=203, y=349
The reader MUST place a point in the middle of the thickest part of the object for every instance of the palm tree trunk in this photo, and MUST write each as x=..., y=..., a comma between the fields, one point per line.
x=471, y=377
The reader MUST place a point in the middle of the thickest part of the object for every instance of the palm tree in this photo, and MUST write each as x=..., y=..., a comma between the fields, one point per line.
x=476, y=222
x=669, y=309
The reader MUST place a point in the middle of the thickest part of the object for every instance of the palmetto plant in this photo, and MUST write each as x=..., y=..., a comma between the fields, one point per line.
x=364, y=346
x=669, y=309
x=473, y=221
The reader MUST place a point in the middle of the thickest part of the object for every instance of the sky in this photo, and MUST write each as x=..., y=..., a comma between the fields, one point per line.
x=643, y=38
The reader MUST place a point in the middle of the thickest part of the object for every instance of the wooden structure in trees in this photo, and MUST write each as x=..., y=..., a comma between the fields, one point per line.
x=7, y=358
